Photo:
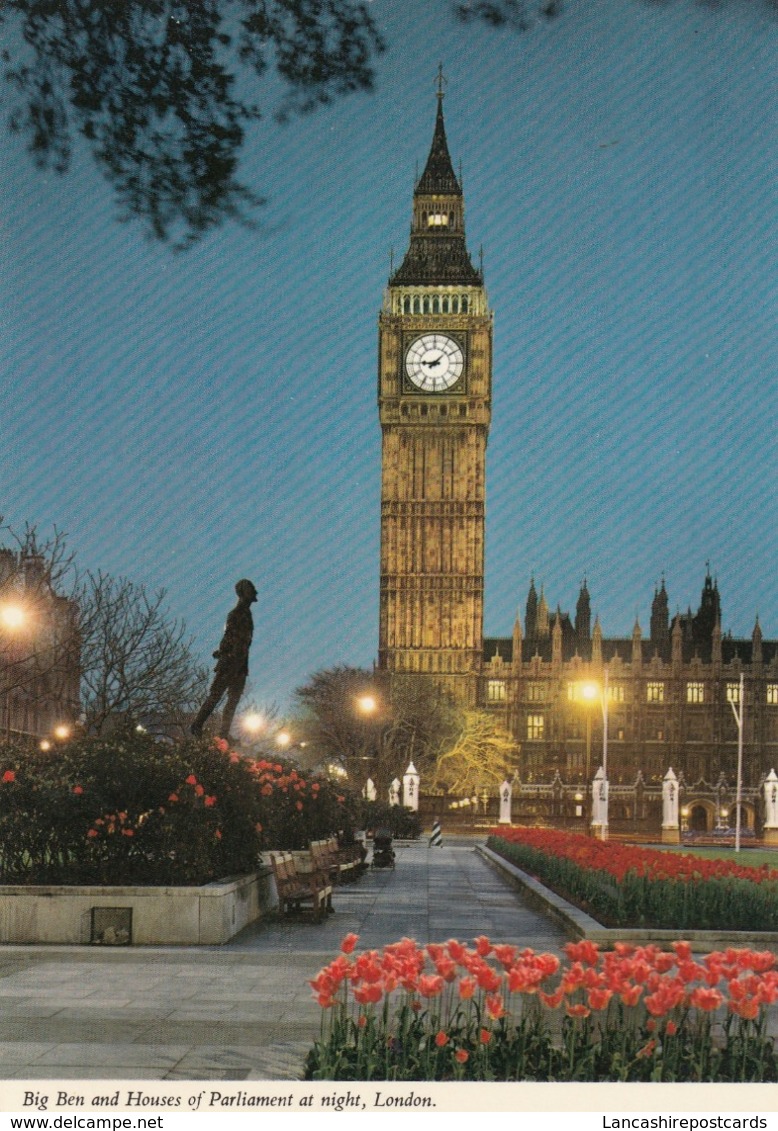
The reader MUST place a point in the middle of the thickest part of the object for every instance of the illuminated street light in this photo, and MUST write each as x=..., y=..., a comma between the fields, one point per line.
x=367, y=704
x=283, y=738
x=591, y=692
x=12, y=616
x=737, y=711
x=253, y=722
x=62, y=732
x=45, y=744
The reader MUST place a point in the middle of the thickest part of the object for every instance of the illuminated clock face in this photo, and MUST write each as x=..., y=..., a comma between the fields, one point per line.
x=434, y=362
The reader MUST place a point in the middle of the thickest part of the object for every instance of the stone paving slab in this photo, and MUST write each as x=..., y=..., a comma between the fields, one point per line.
x=243, y=1011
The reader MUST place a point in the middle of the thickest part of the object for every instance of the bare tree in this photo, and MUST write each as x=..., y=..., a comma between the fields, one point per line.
x=137, y=663
x=358, y=720
x=336, y=726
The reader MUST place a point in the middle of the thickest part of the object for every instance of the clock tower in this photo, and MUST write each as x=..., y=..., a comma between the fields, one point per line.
x=434, y=402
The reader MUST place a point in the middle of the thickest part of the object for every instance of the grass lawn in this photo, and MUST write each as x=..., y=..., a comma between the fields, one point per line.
x=747, y=857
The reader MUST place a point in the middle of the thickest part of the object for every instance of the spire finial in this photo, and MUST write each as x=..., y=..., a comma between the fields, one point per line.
x=442, y=80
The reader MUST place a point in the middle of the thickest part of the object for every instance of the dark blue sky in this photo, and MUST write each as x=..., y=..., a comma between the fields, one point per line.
x=192, y=418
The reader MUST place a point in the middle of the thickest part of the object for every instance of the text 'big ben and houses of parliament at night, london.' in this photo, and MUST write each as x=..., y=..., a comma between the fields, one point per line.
x=670, y=691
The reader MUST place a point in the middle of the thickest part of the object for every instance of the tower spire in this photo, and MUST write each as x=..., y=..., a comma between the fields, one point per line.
x=438, y=255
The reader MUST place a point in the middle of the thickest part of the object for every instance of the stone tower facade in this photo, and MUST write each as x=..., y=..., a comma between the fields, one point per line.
x=434, y=401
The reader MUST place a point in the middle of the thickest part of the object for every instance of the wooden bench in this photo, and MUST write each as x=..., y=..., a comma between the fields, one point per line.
x=296, y=888
x=340, y=864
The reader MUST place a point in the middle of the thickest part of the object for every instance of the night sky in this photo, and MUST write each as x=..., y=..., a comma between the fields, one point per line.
x=192, y=418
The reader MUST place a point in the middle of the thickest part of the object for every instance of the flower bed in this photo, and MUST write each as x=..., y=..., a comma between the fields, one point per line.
x=495, y=1012
x=133, y=811
x=626, y=886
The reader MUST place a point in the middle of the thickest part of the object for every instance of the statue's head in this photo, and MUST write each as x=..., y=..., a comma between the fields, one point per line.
x=246, y=590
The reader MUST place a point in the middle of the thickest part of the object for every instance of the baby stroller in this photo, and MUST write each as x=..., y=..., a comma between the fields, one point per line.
x=383, y=853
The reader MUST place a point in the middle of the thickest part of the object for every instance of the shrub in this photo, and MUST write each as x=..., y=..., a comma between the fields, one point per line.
x=132, y=810
x=296, y=808
x=401, y=822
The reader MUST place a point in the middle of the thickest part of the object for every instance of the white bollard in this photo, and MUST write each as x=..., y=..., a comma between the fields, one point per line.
x=394, y=792
x=411, y=788
x=369, y=792
x=506, y=793
x=671, y=832
x=771, y=808
x=600, y=805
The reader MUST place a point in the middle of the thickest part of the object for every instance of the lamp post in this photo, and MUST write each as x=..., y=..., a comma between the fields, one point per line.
x=591, y=692
x=738, y=713
x=13, y=619
x=367, y=706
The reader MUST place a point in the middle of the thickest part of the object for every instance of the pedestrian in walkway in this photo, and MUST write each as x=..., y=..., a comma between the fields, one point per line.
x=436, y=840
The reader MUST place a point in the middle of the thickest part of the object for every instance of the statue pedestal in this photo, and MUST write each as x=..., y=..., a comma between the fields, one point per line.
x=770, y=836
x=600, y=832
x=671, y=835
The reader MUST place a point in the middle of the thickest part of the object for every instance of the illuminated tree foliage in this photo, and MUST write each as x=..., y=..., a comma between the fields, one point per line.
x=481, y=757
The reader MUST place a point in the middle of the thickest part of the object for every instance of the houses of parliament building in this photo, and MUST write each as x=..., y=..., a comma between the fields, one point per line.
x=671, y=685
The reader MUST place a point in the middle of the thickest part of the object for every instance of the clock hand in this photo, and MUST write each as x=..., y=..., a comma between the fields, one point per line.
x=437, y=361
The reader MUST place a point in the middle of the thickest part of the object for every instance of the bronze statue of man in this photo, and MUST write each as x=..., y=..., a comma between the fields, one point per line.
x=232, y=662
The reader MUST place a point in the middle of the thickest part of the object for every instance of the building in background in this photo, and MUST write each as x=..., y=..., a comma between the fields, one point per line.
x=670, y=692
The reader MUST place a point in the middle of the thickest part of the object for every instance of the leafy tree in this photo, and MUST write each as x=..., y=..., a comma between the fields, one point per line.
x=156, y=87
x=137, y=664
x=152, y=86
x=481, y=757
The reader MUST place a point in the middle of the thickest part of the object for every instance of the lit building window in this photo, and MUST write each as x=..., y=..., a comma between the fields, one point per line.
x=616, y=692
x=495, y=691
x=695, y=692
x=437, y=220
x=772, y=694
x=655, y=693
x=535, y=727
x=535, y=692
x=733, y=692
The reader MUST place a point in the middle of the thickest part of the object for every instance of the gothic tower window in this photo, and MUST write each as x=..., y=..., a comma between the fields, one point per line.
x=772, y=694
x=655, y=693
x=695, y=692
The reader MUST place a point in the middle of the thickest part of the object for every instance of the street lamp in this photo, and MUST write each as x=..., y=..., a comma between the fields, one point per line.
x=367, y=704
x=592, y=692
x=738, y=713
x=13, y=618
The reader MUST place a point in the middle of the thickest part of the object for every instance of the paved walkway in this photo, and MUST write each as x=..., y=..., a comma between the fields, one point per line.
x=243, y=1011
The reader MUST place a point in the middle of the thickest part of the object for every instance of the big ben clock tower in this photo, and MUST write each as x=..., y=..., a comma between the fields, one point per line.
x=434, y=400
